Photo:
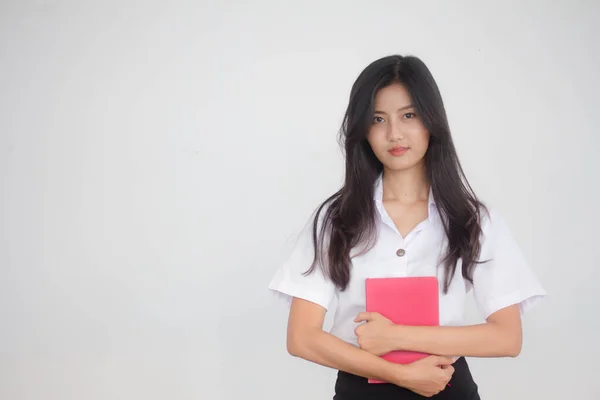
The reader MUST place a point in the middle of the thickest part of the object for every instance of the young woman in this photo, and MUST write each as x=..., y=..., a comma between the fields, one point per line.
x=405, y=209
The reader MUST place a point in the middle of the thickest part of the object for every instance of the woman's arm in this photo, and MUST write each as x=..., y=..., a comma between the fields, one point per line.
x=306, y=339
x=500, y=336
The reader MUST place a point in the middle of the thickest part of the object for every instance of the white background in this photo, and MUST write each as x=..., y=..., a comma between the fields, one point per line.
x=156, y=159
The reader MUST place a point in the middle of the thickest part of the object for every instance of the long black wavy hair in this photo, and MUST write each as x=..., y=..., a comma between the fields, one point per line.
x=348, y=219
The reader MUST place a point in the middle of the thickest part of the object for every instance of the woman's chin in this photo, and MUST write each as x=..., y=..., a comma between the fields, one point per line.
x=400, y=165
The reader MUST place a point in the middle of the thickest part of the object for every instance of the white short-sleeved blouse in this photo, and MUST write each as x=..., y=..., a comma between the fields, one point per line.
x=503, y=281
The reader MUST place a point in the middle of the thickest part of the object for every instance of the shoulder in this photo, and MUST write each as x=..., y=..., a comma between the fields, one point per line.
x=497, y=239
x=504, y=276
x=320, y=216
x=312, y=230
x=492, y=221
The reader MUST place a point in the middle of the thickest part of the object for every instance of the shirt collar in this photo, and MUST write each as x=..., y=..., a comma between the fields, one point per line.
x=386, y=219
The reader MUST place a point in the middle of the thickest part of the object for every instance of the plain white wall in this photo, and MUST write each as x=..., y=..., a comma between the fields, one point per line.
x=156, y=159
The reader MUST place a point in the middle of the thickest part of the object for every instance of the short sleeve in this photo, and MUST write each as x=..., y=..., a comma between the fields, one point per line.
x=506, y=279
x=290, y=281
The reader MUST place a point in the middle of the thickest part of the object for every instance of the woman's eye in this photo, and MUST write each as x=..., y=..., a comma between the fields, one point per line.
x=377, y=120
x=409, y=115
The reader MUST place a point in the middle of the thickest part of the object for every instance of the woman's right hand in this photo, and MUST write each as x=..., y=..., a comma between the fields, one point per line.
x=428, y=376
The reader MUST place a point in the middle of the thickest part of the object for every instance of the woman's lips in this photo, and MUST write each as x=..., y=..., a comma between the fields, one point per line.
x=398, y=151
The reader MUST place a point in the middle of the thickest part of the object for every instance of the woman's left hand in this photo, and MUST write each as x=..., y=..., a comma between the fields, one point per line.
x=376, y=335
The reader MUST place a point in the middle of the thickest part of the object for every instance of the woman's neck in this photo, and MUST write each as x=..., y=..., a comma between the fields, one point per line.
x=406, y=186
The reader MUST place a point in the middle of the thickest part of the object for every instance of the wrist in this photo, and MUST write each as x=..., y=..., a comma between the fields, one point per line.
x=401, y=375
x=396, y=337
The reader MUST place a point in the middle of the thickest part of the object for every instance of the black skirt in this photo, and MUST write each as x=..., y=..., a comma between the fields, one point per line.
x=353, y=387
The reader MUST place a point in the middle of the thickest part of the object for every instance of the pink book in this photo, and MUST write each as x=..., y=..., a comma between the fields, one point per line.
x=410, y=301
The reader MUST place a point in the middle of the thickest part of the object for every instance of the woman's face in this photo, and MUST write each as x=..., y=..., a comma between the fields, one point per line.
x=397, y=136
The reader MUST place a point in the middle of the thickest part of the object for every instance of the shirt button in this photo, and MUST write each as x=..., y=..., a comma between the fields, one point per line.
x=400, y=252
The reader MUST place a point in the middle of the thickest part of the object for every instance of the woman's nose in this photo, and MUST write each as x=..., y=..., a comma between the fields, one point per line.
x=395, y=132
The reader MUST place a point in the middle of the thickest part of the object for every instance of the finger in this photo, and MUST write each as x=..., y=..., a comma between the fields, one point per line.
x=442, y=361
x=364, y=316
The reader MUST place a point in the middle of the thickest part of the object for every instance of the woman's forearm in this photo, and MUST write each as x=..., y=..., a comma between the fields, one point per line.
x=326, y=349
x=483, y=340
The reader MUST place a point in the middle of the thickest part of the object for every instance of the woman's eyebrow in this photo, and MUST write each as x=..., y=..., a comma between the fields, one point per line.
x=400, y=109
